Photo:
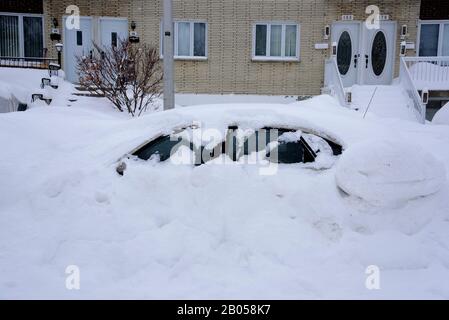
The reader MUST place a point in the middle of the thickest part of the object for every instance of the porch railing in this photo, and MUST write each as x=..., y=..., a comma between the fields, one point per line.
x=333, y=83
x=409, y=86
x=430, y=73
x=22, y=62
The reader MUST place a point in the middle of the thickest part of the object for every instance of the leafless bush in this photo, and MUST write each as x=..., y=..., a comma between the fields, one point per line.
x=129, y=75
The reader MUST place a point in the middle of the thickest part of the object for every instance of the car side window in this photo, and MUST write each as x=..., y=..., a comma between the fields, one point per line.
x=161, y=147
x=291, y=148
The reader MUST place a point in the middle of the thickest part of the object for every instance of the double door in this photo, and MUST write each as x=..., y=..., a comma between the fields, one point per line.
x=365, y=56
x=105, y=32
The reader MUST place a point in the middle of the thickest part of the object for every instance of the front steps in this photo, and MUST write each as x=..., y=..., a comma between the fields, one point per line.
x=52, y=81
x=83, y=92
x=386, y=101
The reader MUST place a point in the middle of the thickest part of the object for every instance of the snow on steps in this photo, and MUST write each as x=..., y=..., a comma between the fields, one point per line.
x=388, y=101
x=84, y=92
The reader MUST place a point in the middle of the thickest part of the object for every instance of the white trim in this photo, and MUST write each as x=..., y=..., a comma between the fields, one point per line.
x=441, y=24
x=282, y=57
x=20, y=31
x=190, y=57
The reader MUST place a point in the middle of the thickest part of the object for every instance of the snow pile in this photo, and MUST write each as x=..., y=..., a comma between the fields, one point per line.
x=389, y=172
x=210, y=232
x=17, y=86
x=442, y=116
x=20, y=82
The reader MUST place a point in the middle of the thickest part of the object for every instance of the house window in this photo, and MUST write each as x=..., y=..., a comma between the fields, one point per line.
x=190, y=40
x=21, y=35
x=276, y=41
x=434, y=38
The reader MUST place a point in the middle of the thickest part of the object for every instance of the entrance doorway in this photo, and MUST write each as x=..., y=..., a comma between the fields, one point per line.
x=365, y=56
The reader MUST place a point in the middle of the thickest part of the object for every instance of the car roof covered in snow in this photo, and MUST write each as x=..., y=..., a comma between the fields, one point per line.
x=322, y=116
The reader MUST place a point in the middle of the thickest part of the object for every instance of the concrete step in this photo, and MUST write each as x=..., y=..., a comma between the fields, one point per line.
x=84, y=92
x=87, y=94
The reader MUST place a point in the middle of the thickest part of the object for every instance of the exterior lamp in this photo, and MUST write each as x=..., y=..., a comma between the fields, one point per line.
x=403, y=51
x=55, y=34
x=425, y=96
x=334, y=49
x=133, y=36
x=59, y=46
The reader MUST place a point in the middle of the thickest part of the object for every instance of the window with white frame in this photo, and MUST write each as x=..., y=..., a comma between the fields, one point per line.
x=190, y=40
x=276, y=41
x=434, y=38
x=21, y=35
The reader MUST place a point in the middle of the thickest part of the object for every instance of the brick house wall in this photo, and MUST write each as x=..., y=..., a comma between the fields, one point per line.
x=29, y=6
x=434, y=10
x=229, y=67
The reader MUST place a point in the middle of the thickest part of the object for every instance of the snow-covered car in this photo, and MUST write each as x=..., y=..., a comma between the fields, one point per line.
x=196, y=146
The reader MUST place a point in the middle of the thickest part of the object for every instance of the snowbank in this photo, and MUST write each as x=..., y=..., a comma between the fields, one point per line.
x=442, y=116
x=389, y=172
x=210, y=232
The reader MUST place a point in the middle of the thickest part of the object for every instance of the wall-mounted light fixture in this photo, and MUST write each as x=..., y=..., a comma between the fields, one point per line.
x=327, y=32
x=55, y=34
x=133, y=36
x=425, y=96
x=404, y=32
x=403, y=51
x=334, y=49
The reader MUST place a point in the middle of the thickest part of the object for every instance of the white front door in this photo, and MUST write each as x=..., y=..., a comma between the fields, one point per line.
x=113, y=31
x=347, y=37
x=77, y=43
x=378, y=54
x=365, y=56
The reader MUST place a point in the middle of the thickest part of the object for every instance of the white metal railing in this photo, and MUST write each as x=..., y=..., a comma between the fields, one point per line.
x=333, y=82
x=409, y=86
x=430, y=73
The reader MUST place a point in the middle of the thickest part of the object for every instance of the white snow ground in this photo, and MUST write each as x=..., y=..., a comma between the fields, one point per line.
x=165, y=231
x=442, y=116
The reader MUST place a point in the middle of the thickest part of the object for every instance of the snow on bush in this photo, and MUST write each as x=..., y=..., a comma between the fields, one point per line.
x=442, y=116
x=387, y=173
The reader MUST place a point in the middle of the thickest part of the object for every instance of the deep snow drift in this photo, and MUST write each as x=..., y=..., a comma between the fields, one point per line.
x=214, y=231
x=442, y=116
x=389, y=172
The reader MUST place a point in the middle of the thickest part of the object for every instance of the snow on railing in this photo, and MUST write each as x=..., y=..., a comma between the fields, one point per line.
x=409, y=86
x=429, y=72
x=333, y=82
x=31, y=63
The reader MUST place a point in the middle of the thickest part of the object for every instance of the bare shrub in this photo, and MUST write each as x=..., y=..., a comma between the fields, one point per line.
x=128, y=75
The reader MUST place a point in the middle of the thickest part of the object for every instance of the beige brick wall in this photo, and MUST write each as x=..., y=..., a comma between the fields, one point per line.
x=229, y=68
